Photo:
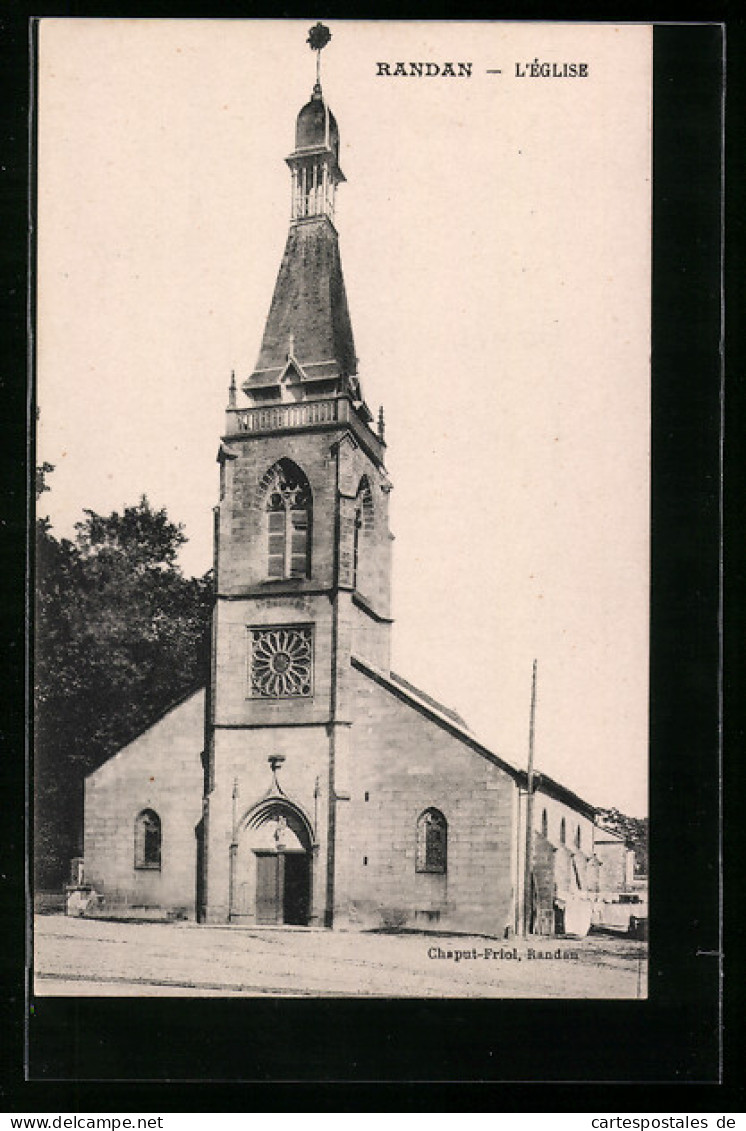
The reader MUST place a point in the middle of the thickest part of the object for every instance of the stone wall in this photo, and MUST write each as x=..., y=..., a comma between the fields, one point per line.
x=616, y=863
x=403, y=762
x=578, y=827
x=160, y=770
x=241, y=767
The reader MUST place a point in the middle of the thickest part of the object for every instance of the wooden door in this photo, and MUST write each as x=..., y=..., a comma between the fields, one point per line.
x=268, y=893
x=296, y=889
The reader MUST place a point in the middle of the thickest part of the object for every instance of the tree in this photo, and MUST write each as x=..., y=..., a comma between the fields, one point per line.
x=120, y=635
x=42, y=472
x=146, y=538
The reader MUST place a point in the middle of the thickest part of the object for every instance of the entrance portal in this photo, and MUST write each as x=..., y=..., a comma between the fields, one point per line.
x=273, y=869
x=282, y=887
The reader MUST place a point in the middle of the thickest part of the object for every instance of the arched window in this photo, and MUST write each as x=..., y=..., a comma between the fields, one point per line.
x=432, y=842
x=363, y=524
x=147, y=839
x=563, y=831
x=544, y=823
x=288, y=507
x=578, y=837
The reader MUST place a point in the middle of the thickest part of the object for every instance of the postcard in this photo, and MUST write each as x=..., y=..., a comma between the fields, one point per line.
x=343, y=394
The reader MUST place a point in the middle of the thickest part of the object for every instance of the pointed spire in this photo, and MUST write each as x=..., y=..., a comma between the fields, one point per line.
x=309, y=320
x=309, y=301
x=381, y=425
x=232, y=390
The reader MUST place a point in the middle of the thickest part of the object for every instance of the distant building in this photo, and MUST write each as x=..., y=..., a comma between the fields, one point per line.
x=308, y=783
x=616, y=860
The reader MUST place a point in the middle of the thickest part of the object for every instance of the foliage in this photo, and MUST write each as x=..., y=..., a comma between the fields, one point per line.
x=146, y=537
x=635, y=833
x=41, y=478
x=120, y=635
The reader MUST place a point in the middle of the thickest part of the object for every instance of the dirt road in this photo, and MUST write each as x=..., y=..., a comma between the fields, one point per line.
x=81, y=957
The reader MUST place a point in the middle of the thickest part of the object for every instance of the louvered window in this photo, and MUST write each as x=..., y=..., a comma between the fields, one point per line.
x=288, y=510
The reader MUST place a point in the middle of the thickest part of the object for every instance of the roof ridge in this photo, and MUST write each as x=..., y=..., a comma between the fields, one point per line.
x=398, y=687
x=544, y=782
x=450, y=711
x=172, y=706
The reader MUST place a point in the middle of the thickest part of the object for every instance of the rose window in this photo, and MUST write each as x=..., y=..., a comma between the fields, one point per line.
x=282, y=662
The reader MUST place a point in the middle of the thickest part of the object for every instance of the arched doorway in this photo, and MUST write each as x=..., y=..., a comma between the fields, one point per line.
x=275, y=862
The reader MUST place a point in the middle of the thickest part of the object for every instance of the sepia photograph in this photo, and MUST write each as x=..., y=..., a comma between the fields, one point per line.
x=342, y=568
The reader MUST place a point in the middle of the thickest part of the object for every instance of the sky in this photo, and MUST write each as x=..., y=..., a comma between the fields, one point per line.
x=495, y=241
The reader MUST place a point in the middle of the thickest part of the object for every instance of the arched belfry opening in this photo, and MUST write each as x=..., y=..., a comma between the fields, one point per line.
x=285, y=496
x=362, y=531
x=274, y=857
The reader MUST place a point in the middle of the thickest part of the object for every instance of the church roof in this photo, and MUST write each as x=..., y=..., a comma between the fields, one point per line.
x=442, y=716
x=309, y=317
x=447, y=711
x=604, y=835
x=198, y=689
x=451, y=721
x=560, y=792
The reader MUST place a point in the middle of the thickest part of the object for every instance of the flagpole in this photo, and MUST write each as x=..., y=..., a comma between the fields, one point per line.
x=527, y=892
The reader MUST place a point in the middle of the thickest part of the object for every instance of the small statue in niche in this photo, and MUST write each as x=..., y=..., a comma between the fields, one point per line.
x=280, y=832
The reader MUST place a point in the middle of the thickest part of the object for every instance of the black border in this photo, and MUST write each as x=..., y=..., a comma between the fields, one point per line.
x=671, y=1039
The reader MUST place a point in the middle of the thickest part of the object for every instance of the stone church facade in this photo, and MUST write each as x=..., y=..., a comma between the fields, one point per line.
x=308, y=784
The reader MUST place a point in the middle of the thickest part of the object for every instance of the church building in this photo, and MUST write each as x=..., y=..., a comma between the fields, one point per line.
x=308, y=784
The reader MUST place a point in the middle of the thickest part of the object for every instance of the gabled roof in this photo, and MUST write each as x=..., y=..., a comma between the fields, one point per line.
x=292, y=372
x=555, y=789
x=196, y=689
x=418, y=694
x=450, y=721
x=431, y=709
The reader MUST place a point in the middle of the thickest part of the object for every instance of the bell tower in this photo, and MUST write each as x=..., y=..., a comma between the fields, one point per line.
x=314, y=164
x=302, y=576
